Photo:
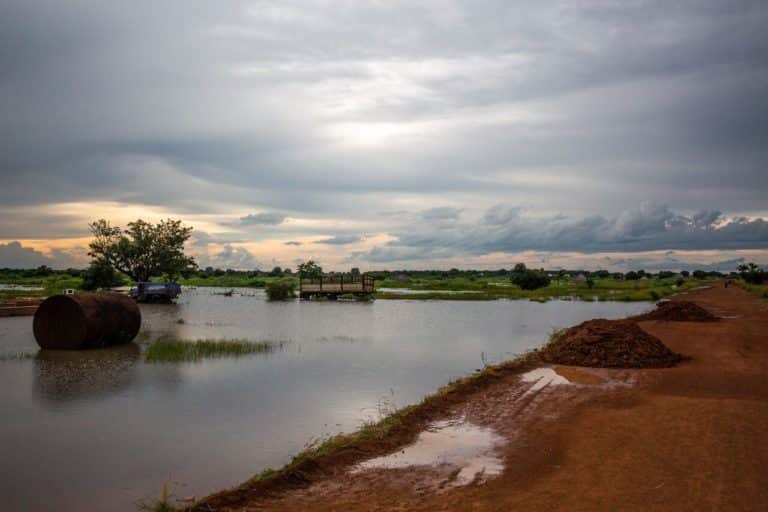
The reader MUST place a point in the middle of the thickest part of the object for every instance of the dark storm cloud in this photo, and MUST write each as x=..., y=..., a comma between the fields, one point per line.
x=321, y=111
x=14, y=255
x=649, y=227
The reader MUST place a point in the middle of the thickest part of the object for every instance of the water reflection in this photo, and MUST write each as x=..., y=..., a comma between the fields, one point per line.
x=64, y=375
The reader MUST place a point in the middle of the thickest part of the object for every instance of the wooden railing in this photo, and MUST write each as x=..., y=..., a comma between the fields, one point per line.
x=337, y=283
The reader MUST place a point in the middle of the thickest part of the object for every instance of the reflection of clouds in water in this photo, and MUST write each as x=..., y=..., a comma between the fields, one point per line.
x=66, y=375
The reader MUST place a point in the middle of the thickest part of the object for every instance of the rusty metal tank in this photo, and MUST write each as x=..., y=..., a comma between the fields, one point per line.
x=86, y=320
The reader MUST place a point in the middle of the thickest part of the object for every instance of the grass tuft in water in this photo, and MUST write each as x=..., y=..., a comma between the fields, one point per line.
x=178, y=351
x=20, y=356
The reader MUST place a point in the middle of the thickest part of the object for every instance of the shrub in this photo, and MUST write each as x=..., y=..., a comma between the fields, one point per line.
x=100, y=274
x=528, y=279
x=752, y=273
x=280, y=290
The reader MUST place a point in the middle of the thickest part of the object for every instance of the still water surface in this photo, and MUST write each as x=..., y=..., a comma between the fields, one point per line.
x=102, y=430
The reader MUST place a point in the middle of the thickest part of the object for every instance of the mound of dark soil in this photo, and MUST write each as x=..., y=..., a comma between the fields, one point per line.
x=678, y=311
x=609, y=344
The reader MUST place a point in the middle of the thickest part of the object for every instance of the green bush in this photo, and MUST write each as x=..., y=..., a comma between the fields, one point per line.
x=100, y=274
x=528, y=279
x=752, y=273
x=280, y=290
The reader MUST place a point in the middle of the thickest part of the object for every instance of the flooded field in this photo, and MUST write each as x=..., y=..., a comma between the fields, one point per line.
x=102, y=430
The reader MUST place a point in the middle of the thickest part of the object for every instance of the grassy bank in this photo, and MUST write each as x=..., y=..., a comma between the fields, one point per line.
x=232, y=281
x=49, y=285
x=496, y=288
x=178, y=351
x=761, y=290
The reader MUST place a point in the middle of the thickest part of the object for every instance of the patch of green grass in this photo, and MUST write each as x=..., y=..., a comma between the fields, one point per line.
x=50, y=285
x=492, y=288
x=233, y=281
x=760, y=290
x=163, y=503
x=178, y=351
x=18, y=356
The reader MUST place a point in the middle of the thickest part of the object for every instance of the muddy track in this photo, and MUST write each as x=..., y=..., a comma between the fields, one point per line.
x=685, y=438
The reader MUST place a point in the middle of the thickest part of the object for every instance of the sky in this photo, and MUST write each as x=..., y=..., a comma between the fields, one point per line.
x=390, y=134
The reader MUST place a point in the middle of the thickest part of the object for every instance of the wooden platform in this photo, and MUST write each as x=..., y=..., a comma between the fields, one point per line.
x=335, y=285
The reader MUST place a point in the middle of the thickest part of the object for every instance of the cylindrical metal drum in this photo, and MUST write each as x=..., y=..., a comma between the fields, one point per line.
x=86, y=320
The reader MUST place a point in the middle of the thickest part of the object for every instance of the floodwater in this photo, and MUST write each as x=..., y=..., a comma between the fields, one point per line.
x=457, y=444
x=103, y=430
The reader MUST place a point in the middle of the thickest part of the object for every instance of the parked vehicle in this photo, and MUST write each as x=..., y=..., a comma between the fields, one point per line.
x=155, y=292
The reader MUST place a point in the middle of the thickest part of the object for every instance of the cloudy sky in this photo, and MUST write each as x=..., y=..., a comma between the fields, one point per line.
x=390, y=134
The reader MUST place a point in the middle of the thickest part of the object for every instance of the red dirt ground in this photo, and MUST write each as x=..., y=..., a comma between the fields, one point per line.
x=691, y=437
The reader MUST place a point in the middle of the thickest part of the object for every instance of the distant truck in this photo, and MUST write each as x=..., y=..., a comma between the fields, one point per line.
x=155, y=292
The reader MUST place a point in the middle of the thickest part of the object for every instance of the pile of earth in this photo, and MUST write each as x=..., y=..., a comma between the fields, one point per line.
x=678, y=311
x=609, y=344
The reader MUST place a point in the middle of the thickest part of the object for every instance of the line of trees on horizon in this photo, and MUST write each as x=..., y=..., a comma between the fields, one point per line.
x=751, y=269
x=144, y=251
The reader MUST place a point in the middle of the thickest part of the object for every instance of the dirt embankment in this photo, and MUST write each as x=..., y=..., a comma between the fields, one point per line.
x=683, y=438
x=609, y=344
x=623, y=343
x=677, y=311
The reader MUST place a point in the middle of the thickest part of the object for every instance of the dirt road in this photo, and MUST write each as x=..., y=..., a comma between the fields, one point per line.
x=686, y=438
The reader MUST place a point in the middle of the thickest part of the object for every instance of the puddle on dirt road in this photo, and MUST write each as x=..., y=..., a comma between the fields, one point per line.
x=559, y=376
x=460, y=445
x=543, y=377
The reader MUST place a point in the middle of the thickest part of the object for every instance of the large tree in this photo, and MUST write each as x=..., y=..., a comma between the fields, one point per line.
x=143, y=250
x=309, y=269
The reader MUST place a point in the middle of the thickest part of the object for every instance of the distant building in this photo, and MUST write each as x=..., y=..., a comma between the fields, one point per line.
x=579, y=280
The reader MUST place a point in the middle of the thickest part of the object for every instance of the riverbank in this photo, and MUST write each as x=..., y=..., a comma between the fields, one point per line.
x=690, y=437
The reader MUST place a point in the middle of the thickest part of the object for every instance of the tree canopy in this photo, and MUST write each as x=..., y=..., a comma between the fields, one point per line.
x=309, y=269
x=528, y=279
x=143, y=250
x=752, y=273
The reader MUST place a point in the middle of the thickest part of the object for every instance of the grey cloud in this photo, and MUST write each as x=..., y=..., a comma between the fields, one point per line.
x=499, y=215
x=15, y=255
x=441, y=213
x=263, y=218
x=646, y=228
x=199, y=106
x=203, y=239
x=340, y=240
x=294, y=243
x=234, y=257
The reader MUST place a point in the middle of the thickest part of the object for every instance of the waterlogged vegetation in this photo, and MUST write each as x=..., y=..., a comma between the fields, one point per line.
x=281, y=290
x=16, y=356
x=179, y=351
x=559, y=287
x=39, y=282
x=424, y=285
